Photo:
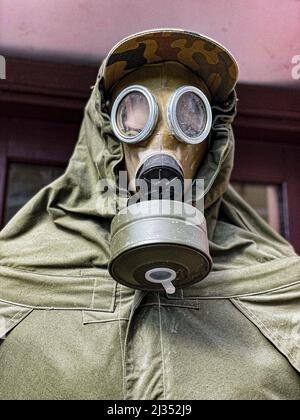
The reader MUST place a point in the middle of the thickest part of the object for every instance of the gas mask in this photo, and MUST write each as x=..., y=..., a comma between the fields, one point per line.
x=159, y=87
x=163, y=118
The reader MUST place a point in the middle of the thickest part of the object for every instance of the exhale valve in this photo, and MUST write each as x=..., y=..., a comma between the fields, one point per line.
x=163, y=276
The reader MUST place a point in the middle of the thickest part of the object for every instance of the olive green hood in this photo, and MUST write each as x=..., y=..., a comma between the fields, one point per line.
x=233, y=335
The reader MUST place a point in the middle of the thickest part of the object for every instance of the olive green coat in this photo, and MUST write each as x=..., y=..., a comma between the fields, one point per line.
x=70, y=332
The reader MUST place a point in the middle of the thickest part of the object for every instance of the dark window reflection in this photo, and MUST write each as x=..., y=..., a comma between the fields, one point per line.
x=267, y=200
x=24, y=181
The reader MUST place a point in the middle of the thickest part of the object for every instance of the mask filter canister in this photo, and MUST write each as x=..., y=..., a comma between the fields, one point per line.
x=159, y=245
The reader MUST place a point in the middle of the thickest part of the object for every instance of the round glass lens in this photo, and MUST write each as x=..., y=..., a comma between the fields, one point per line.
x=133, y=114
x=191, y=114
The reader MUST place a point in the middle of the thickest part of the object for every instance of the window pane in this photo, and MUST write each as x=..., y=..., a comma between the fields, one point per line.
x=24, y=181
x=266, y=200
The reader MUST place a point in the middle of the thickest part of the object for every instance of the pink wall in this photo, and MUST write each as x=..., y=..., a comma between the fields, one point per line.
x=264, y=35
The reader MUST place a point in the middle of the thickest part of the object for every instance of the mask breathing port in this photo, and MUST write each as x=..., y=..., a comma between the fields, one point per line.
x=163, y=178
x=163, y=276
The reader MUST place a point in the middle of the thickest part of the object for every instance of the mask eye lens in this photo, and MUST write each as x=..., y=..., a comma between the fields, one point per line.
x=191, y=114
x=133, y=114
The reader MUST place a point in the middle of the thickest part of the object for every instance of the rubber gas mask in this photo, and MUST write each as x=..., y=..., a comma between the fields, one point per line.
x=162, y=116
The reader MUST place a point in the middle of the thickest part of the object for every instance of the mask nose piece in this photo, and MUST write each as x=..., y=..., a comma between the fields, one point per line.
x=161, y=174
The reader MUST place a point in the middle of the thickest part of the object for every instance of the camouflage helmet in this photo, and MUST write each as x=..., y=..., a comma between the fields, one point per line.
x=209, y=60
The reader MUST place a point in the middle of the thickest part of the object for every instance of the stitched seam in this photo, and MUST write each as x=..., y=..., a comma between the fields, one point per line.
x=61, y=308
x=112, y=303
x=15, y=320
x=176, y=305
x=113, y=300
x=121, y=345
x=104, y=320
x=17, y=317
x=128, y=365
x=161, y=346
x=16, y=304
x=105, y=275
x=54, y=308
x=266, y=291
x=93, y=296
x=275, y=336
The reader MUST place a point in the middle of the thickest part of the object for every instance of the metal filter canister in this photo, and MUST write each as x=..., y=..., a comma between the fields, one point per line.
x=159, y=245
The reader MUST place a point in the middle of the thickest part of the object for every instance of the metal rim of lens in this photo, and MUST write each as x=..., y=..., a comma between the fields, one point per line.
x=152, y=120
x=173, y=121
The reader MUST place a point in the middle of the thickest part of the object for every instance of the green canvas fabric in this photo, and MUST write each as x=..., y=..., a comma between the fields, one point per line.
x=70, y=332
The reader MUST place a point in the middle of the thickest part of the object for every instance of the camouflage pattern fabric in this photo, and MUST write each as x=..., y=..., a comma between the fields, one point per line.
x=209, y=60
